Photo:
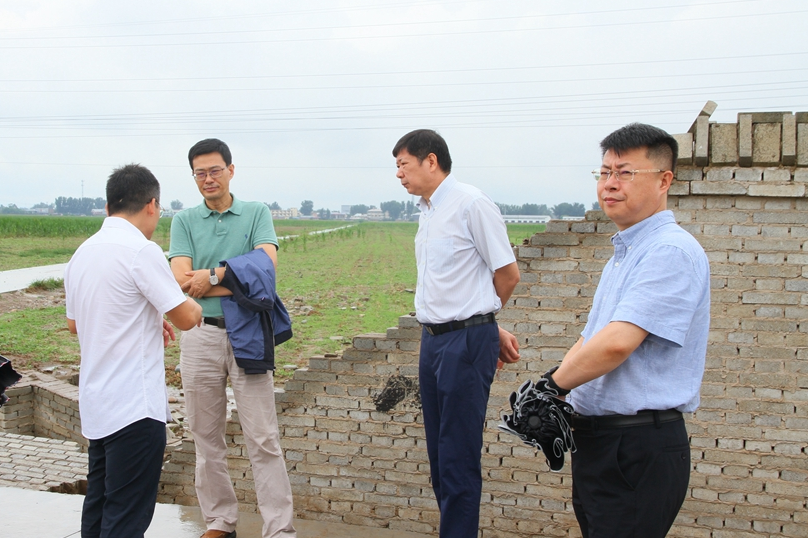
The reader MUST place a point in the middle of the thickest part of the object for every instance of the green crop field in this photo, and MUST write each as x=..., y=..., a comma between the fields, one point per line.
x=335, y=285
x=35, y=241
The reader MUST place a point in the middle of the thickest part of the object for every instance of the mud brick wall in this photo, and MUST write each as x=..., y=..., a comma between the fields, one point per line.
x=43, y=406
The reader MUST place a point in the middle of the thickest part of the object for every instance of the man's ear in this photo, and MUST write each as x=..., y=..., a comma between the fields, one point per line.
x=667, y=180
x=432, y=160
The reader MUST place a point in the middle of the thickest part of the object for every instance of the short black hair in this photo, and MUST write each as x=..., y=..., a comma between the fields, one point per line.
x=661, y=146
x=421, y=142
x=210, y=145
x=130, y=188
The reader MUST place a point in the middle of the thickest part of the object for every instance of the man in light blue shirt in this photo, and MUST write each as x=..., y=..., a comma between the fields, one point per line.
x=640, y=359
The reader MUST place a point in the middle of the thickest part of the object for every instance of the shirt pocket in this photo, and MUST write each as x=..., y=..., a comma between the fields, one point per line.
x=440, y=255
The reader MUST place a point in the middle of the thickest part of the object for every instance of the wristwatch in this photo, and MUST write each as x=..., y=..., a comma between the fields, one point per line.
x=213, y=278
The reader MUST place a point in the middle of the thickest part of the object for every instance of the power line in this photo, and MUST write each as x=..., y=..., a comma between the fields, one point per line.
x=383, y=36
x=377, y=7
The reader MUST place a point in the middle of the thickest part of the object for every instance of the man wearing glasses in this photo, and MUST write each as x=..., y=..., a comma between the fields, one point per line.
x=220, y=228
x=640, y=359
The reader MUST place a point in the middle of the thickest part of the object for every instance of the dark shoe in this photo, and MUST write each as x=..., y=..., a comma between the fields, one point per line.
x=213, y=533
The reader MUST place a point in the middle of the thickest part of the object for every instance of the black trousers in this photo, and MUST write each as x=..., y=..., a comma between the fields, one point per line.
x=455, y=373
x=630, y=482
x=122, y=481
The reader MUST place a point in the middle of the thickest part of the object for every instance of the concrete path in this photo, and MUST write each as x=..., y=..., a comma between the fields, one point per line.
x=19, y=279
x=41, y=514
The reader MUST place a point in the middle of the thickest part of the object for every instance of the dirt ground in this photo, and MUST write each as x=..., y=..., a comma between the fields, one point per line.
x=22, y=300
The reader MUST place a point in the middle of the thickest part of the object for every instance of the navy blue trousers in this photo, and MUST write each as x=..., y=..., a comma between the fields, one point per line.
x=455, y=374
x=630, y=482
x=122, y=481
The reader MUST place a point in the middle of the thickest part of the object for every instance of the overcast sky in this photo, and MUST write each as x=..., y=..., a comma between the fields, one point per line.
x=312, y=95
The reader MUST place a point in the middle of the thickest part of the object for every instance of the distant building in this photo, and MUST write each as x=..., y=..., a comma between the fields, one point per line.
x=527, y=219
x=375, y=214
x=344, y=209
x=573, y=218
x=39, y=210
x=285, y=214
x=340, y=215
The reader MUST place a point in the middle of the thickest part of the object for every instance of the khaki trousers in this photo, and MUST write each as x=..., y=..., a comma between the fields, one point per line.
x=206, y=361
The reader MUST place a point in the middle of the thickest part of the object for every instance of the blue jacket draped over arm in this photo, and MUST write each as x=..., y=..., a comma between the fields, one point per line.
x=255, y=318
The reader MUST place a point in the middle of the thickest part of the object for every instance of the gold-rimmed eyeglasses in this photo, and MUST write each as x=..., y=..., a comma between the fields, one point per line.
x=621, y=175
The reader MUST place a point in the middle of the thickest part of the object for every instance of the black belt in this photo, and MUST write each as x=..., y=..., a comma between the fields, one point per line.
x=216, y=322
x=441, y=328
x=642, y=418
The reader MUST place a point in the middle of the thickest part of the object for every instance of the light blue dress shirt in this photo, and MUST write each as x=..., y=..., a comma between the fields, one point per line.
x=659, y=280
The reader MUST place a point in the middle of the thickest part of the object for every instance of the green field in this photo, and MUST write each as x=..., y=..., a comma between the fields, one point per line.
x=336, y=284
x=36, y=241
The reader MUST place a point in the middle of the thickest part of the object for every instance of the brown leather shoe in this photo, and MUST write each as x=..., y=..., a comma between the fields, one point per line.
x=213, y=533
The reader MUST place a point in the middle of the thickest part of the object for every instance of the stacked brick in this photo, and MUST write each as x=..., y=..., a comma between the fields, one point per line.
x=43, y=406
x=42, y=464
x=747, y=207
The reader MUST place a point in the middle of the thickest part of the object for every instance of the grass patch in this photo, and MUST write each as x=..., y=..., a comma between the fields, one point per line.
x=519, y=232
x=18, y=252
x=46, y=284
x=345, y=283
x=38, y=336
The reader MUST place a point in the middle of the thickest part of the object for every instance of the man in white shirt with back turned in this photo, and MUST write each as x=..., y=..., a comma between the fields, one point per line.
x=118, y=286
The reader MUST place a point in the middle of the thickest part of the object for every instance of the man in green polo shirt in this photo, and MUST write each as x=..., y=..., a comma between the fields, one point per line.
x=220, y=228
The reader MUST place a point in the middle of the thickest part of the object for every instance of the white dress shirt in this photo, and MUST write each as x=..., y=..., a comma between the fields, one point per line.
x=461, y=241
x=118, y=286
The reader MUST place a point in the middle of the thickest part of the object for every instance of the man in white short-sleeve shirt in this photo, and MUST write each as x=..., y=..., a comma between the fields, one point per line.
x=118, y=286
x=466, y=272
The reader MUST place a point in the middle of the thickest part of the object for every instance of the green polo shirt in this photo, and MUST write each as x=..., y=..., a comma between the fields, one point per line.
x=208, y=237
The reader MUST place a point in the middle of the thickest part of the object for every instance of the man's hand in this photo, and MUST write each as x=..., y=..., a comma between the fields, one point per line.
x=168, y=333
x=198, y=285
x=508, y=348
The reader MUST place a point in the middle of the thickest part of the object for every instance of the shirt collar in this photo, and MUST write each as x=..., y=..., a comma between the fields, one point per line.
x=440, y=193
x=120, y=223
x=235, y=208
x=639, y=231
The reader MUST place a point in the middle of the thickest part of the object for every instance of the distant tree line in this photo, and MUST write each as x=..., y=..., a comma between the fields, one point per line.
x=558, y=211
x=11, y=209
x=78, y=206
x=395, y=210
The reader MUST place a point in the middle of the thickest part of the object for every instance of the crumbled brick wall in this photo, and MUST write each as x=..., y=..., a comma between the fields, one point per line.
x=43, y=406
